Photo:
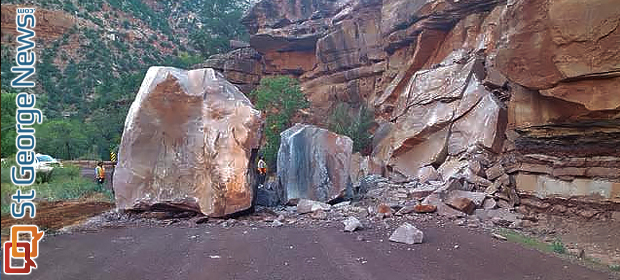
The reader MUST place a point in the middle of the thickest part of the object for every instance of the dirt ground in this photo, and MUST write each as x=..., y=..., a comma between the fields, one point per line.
x=56, y=215
x=599, y=239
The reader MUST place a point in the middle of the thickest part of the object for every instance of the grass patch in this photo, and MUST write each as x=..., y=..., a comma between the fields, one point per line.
x=520, y=238
x=65, y=184
x=556, y=246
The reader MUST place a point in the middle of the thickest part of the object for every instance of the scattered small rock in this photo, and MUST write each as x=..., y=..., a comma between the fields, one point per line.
x=384, y=209
x=408, y=234
x=503, y=204
x=405, y=210
x=424, y=208
x=319, y=215
x=495, y=171
x=200, y=219
x=307, y=206
x=462, y=204
x=341, y=205
x=476, y=197
x=489, y=203
x=558, y=208
x=500, y=237
x=276, y=223
x=351, y=224
x=588, y=213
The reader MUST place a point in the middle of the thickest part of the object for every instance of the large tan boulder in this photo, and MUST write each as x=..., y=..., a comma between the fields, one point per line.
x=314, y=163
x=188, y=142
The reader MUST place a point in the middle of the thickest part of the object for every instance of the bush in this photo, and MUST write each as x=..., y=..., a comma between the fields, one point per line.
x=558, y=247
x=355, y=128
x=279, y=97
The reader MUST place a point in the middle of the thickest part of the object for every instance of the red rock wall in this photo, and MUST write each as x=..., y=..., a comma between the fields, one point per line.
x=529, y=88
x=50, y=24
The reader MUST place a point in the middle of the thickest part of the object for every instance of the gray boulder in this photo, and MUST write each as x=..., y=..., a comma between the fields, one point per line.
x=314, y=163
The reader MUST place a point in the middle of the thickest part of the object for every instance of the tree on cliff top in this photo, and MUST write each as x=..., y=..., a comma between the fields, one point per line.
x=221, y=23
x=279, y=97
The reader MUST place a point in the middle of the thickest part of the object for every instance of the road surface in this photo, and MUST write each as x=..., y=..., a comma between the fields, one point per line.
x=213, y=252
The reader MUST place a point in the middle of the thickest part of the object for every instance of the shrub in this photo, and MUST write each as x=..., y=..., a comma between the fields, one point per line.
x=355, y=128
x=66, y=183
x=558, y=247
x=280, y=97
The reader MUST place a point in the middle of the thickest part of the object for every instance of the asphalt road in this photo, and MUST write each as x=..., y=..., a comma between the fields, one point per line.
x=213, y=252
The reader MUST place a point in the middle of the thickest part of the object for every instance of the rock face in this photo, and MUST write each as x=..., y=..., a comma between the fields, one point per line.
x=559, y=40
x=242, y=67
x=481, y=91
x=189, y=141
x=314, y=163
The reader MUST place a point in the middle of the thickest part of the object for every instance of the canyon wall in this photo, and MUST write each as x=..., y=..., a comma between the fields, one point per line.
x=498, y=95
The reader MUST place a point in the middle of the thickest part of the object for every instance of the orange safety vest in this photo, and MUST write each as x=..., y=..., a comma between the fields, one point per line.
x=100, y=172
x=262, y=167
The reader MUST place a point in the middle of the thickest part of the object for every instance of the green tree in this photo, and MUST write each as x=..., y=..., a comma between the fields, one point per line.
x=280, y=97
x=106, y=128
x=62, y=138
x=221, y=21
x=8, y=124
x=355, y=128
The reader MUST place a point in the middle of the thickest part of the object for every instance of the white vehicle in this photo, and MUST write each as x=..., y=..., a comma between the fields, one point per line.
x=44, y=166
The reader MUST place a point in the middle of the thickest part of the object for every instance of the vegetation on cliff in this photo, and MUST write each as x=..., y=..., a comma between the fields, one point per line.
x=88, y=76
x=280, y=98
x=357, y=127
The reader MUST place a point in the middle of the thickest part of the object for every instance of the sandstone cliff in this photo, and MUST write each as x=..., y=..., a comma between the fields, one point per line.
x=498, y=94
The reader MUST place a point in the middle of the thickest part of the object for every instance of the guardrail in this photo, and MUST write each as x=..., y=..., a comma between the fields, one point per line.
x=87, y=163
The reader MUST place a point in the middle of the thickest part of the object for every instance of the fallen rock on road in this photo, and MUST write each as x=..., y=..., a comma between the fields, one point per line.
x=407, y=234
x=179, y=121
x=307, y=206
x=351, y=224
